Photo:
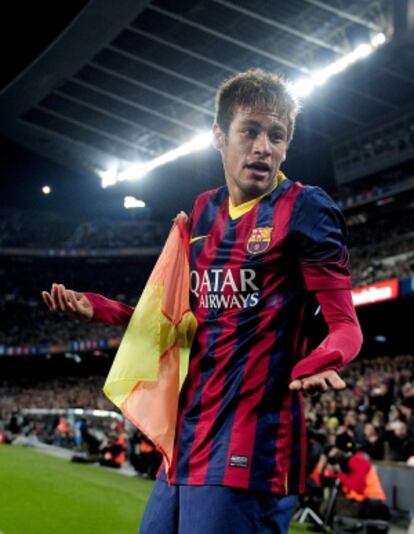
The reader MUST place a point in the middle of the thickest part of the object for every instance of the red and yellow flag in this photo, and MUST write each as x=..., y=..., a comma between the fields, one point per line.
x=152, y=360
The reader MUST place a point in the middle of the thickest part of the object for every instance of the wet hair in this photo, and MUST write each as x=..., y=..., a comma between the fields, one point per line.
x=259, y=90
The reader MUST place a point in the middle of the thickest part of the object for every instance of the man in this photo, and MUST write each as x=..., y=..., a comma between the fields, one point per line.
x=262, y=248
x=360, y=483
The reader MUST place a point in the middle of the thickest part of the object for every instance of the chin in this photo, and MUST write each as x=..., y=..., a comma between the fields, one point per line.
x=254, y=191
x=259, y=187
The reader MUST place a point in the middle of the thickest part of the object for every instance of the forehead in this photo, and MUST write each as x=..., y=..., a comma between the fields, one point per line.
x=266, y=118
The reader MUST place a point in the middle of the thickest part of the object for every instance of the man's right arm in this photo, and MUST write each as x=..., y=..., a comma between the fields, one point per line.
x=109, y=311
x=87, y=306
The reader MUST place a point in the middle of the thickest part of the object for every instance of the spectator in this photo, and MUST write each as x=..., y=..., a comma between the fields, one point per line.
x=373, y=445
x=401, y=444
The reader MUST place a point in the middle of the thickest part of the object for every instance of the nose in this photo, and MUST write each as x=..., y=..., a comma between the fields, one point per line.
x=262, y=145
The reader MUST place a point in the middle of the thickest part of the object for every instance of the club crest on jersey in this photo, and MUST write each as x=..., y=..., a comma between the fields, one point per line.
x=259, y=240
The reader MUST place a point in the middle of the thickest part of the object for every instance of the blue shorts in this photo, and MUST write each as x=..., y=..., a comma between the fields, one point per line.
x=215, y=510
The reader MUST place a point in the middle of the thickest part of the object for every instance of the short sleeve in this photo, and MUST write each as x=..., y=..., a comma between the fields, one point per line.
x=320, y=240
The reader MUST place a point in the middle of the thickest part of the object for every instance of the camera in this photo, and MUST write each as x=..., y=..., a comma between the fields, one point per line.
x=333, y=460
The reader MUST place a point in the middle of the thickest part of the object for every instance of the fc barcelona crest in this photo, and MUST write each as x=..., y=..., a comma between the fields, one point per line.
x=259, y=240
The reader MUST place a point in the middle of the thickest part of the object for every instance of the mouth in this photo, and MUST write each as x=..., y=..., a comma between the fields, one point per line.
x=258, y=168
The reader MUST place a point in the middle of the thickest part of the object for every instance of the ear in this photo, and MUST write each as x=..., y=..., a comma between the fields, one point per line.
x=218, y=136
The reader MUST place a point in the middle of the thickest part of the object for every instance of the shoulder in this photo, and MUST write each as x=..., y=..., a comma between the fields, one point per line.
x=306, y=198
x=314, y=197
x=213, y=196
x=314, y=206
x=205, y=208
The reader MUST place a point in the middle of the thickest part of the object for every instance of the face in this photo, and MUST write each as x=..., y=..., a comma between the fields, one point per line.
x=350, y=419
x=252, y=152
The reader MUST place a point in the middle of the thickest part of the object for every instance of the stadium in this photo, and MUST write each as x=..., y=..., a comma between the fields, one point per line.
x=107, y=110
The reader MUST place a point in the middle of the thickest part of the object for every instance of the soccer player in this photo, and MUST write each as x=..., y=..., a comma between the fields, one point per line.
x=264, y=249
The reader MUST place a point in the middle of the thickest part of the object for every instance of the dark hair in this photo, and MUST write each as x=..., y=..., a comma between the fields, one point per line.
x=258, y=90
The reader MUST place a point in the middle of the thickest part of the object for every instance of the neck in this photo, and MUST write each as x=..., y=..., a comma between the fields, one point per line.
x=238, y=197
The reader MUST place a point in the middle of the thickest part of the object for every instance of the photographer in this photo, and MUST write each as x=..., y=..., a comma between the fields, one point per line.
x=361, y=487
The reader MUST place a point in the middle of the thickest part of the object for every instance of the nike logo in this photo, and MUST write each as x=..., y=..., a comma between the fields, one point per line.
x=197, y=238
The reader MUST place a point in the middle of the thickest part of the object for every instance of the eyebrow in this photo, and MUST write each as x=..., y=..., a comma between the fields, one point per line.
x=279, y=126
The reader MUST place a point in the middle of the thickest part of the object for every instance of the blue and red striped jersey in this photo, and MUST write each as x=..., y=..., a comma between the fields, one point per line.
x=251, y=281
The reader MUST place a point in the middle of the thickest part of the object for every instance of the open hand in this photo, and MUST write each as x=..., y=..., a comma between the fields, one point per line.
x=68, y=301
x=318, y=382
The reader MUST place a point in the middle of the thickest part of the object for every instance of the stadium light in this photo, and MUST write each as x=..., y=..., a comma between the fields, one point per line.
x=46, y=190
x=301, y=88
x=319, y=77
x=378, y=39
x=109, y=176
x=136, y=171
x=132, y=202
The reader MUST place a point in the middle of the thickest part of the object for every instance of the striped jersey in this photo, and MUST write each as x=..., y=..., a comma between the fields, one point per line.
x=252, y=275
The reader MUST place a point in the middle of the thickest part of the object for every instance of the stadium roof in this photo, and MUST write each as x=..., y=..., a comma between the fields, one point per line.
x=128, y=81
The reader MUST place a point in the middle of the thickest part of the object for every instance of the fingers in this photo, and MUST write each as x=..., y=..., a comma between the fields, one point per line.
x=54, y=293
x=47, y=298
x=315, y=384
x=318, y=383
x=296, y=385
x=69, y=302
x=62, y=299
x=58, y=299
x=72, y=302
x=336, y=381
x=311, y=384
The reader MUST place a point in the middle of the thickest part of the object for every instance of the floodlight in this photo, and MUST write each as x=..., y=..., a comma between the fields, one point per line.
x=378, y=39
x=132, y=202
x=109, y=176
x=303, y=87
x=136, y=171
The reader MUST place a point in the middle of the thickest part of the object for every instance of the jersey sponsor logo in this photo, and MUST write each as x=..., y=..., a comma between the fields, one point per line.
x=259, y=239
x=223, y=288
x=239, y=461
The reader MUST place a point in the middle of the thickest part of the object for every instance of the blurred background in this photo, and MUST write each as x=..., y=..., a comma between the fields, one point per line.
x=104, y=136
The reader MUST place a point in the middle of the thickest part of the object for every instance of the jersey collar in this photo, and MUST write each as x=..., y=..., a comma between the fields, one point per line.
x=237, y=211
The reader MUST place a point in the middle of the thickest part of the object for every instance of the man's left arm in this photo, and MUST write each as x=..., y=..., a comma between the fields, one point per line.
x=321, y=240
x=320, y=369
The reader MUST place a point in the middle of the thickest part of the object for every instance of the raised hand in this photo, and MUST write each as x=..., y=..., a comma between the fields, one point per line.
x=68, y=301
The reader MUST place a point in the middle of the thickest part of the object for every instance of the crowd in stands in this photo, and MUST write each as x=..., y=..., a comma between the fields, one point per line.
x=368, y=271
x=106, y=234
x=382, y=248
x=376, y=188
x=44, y=230
x=55, y=393
x=28, y=229
x=376, y=411
x=387, y=142
x=26, y=320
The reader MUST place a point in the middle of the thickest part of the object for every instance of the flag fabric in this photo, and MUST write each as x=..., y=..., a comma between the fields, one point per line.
x=152, y=360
